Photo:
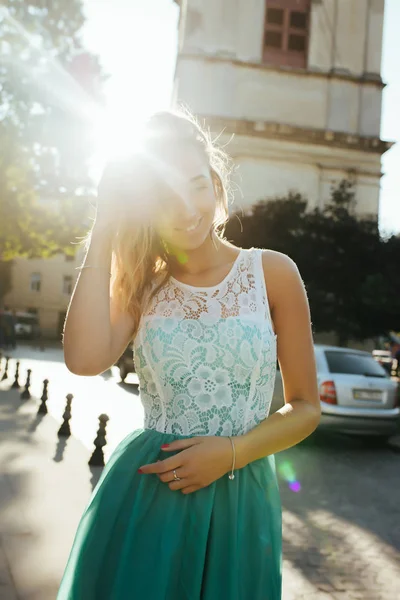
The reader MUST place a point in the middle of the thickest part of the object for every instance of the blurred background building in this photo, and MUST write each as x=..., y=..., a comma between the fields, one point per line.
x=298, y=84
x=44, y=287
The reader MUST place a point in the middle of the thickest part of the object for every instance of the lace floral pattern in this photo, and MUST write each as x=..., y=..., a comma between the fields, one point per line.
x=206, y=358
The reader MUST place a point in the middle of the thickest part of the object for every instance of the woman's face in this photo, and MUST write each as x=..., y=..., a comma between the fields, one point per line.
x=186, y=200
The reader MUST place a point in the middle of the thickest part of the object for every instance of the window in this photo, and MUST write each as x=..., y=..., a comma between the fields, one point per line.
x=354, y=364
x=67, y=285
x=273, y=39
x=298, y=20
x=297, y=43
x=36, y=282
x=275, y=16
x=26, y=319
x=286, y=32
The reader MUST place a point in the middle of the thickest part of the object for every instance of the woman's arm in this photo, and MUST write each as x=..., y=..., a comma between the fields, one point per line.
x=300, y=415
x=96, y=332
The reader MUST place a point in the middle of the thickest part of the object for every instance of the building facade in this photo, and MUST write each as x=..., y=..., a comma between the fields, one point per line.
x=44, y=287
x=295, y=86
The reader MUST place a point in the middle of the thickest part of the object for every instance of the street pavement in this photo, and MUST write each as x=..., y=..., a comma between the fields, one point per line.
x=340, y=496
x=93, y=396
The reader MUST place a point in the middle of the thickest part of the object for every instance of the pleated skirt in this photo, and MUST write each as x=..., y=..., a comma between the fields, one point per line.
x=138, y=540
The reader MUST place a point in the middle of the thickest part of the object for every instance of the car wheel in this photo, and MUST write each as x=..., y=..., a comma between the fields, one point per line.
x=123, y=372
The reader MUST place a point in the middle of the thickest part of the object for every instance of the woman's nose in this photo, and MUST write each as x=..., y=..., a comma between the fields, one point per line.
x=184, y=207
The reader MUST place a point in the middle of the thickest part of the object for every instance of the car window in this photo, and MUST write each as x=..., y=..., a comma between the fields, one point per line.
x=319, y=361
x=355, y=364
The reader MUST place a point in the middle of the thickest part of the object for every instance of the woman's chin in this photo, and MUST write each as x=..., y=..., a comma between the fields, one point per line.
x=190, y=241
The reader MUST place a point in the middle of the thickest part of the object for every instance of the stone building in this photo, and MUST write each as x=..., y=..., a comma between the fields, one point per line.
x=296, y=83
x=44, y=287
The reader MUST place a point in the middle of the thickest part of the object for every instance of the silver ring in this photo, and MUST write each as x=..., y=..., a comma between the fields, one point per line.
x=176, y=476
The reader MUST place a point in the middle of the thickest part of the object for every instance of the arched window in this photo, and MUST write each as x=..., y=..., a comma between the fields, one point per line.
x=287, y=25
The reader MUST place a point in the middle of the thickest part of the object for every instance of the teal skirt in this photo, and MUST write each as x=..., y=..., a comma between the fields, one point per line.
x=138, y=540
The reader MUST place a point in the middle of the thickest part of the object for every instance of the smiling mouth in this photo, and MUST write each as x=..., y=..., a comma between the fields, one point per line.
x=192, y=227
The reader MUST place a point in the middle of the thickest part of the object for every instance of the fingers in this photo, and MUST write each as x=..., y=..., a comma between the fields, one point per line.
x=162, y=466
x=180, y=444
x=177, y=485
x=174, y=461
x=185, y=484
x=169, y=476
x=164, y=469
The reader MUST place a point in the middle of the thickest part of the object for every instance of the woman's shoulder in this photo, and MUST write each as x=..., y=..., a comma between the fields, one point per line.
x=274, y=260
x=281, y=274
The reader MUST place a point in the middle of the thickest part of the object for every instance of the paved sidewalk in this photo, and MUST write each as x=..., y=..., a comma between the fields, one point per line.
x=340, y=534
x=36, y=470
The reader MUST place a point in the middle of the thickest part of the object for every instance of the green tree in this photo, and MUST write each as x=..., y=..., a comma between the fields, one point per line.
x=276, y=223
x=344, y=256
x=49, y=86
x=351, y=273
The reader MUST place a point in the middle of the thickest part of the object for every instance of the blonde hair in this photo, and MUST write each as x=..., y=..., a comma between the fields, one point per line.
x=139, y=257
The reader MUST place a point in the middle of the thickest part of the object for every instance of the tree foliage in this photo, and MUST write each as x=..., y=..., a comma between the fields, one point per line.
x=49, y=86
x=351, y=274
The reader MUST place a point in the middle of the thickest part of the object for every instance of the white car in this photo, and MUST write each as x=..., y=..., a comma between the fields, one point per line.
x=357, y=395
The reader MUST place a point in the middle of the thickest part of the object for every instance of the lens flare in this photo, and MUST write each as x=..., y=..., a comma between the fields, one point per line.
x=287, y=472
x=115, y=129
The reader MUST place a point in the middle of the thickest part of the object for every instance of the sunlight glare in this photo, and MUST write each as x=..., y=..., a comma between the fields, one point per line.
x=140, y=76
x=116, y=134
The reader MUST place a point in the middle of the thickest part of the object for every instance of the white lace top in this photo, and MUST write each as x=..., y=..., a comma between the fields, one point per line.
x=206, y=357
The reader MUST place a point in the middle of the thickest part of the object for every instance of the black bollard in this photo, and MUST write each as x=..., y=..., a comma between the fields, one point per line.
x=65, y=429
x=43, y=406
x=97, y=458
x=16, y=382
x=5, y=374
x=26, y=393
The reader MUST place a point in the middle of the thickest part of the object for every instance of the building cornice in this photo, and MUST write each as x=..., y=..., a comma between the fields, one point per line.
x=292, y=133
x=371, y=79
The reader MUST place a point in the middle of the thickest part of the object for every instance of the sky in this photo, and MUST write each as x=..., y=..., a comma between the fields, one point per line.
x=137, y=42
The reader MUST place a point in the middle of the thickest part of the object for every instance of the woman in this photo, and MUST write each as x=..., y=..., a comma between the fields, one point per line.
x=188, y=507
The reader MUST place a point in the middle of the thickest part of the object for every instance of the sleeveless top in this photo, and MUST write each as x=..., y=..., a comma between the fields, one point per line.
x=206, y=356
